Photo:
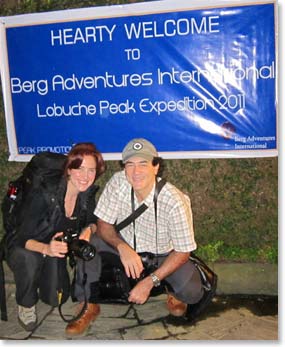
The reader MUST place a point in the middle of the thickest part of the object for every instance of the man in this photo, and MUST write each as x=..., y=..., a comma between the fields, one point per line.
x=164, y=229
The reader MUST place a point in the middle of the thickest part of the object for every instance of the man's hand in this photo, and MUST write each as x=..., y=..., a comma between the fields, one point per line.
x=131, y=260
x=140, y=293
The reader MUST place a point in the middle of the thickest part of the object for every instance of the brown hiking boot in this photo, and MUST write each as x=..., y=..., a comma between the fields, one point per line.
x=175, y=307
x=81, y=325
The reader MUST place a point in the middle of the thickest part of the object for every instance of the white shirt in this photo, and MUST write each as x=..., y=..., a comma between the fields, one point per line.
x=174, y=217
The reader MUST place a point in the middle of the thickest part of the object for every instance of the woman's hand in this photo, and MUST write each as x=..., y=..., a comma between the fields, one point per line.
x=86, y=234
x=56, y=248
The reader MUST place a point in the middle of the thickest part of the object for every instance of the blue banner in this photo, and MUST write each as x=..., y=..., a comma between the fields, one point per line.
x=195, y=82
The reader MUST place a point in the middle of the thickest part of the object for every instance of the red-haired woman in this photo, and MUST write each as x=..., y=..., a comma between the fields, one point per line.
x=36, y=254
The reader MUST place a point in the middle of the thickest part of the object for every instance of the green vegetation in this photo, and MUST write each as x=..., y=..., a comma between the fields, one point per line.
x=234, y=201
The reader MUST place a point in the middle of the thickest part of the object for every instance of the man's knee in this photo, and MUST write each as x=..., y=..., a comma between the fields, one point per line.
x=192, y=291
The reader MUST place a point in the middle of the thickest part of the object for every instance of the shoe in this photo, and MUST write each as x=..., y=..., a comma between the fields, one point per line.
x=27, y=317
x=81, y=325
x=175, y=307
x=209, y=280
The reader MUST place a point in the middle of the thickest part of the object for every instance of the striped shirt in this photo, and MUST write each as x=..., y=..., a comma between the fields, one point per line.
x=174, y=217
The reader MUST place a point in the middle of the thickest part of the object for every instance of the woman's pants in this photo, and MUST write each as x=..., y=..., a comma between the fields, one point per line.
x=38, y=277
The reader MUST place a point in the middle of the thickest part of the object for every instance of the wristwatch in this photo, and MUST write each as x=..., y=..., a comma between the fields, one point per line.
x=155, y=280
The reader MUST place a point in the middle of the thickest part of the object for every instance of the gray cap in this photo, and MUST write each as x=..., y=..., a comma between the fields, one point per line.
x=139, y=148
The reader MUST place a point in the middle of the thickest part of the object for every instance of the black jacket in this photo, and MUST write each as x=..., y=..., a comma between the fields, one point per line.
x=44, y=208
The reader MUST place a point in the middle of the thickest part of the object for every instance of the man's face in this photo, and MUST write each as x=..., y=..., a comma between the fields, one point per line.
x=141, y=174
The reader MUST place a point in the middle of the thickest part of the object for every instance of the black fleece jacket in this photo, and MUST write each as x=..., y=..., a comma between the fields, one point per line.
x=43, y=210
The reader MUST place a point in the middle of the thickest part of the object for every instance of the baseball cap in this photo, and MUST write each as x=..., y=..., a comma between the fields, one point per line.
x=139, y=148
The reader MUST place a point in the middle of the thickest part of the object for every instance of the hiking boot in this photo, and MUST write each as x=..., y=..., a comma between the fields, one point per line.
x=81, y=325
x=175, y=307
x=27, y=317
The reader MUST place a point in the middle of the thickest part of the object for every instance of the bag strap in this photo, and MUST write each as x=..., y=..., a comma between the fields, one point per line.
x=83, y=308
x=137, y=212
x=131, y=217
x=3, y=306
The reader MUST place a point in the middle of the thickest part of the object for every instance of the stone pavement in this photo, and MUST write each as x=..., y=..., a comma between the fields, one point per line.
x=228, y=317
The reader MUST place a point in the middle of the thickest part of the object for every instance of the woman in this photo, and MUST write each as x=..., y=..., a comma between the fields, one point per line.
x=37, y=256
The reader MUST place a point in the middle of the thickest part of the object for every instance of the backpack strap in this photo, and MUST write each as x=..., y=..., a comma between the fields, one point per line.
x=3, y=306
x=137, y=212
x=88, y=203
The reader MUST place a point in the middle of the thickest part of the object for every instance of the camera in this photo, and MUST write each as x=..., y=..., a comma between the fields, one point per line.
x=114, y=285
x=80, y=248
x=150, y=265
x=149, y=262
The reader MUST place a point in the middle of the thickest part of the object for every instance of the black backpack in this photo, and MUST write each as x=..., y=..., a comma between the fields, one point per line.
x=44, y=168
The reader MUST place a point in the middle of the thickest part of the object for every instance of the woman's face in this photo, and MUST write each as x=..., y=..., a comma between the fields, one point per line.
x=83, y=177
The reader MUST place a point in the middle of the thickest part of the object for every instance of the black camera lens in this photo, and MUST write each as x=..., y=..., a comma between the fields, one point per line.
x=82, y=249
x=88, y=252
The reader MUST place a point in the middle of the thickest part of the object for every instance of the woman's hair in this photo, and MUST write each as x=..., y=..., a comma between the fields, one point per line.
x=77, y=153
